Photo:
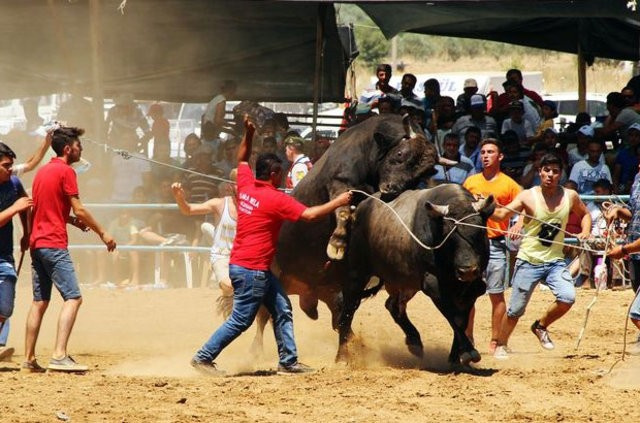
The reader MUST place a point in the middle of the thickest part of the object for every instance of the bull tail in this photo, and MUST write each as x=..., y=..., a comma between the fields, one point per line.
x=224, y=305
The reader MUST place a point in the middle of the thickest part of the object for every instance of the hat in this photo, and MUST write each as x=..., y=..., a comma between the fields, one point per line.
x=295, y=141
x=204, y=149
x=587, y=131
x=635, y=126
x=516, y=105
x=470, y=83
x=476, y=101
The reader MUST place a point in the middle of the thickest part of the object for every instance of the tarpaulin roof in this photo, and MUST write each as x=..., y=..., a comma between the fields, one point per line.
x=173, y=50
x=601, y=28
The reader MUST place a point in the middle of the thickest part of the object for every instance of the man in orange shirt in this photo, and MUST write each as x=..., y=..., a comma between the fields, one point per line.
x=504, y=189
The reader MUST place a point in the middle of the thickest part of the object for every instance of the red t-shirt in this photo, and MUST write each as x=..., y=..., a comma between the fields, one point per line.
x=53, y=186
x=261, y=211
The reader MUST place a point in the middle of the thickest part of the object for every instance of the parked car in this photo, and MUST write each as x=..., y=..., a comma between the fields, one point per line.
x=568, y=107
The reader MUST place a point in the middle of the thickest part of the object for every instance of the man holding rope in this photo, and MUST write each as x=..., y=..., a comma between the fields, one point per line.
x=261, y=211
x=546, y=210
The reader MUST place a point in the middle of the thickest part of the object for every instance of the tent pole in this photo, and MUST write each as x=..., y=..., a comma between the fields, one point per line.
x=582, y=81
x=96, y=69
x=316, y=76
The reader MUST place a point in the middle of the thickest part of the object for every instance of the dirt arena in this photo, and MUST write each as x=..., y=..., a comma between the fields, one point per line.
x=138, y=345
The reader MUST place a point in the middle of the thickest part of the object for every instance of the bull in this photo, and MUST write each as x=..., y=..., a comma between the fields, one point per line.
x=449, y=271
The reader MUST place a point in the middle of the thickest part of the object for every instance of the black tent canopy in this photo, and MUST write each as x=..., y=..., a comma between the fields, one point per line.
x=173, y=50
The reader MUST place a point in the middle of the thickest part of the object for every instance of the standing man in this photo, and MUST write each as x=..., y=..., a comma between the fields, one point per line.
x=504, y=189
x=55, y=193
x=261, y=211
x=540, y=257
x=300, y=163
x=13, y=200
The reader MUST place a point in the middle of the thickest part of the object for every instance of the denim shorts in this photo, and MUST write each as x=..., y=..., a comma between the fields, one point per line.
x=53, y=266
x=526, y=276
x=8, y=280
x=495, y=275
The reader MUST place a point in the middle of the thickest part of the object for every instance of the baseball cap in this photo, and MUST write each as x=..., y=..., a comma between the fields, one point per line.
x=470, y=83
x=587, y=131
x=297, y=141
x=476, y=101
x=635, y=126
x=516, y=105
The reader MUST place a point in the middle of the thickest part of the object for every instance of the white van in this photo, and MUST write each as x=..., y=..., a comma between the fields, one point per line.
x=568, y=107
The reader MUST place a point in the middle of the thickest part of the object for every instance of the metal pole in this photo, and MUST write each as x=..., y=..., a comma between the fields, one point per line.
x=316, y=77
x=582, y=81
x=96, y=69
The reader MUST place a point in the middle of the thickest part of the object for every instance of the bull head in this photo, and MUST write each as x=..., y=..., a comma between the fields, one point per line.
x=484, y=206
x=435, y=210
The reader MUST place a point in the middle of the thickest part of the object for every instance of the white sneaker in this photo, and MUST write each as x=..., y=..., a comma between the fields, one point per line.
x=501, y=353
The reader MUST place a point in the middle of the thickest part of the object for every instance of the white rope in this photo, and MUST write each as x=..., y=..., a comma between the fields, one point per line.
x=415, y=238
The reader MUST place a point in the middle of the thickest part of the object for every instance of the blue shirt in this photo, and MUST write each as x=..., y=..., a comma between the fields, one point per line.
x=633, y=230
x=10, y=191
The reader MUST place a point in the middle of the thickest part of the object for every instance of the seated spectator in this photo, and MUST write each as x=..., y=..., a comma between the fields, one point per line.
x=407, y=84
x=516, y=122
x=471, y=147
x=385, y=105
x=579, y=152
x=125, y=264
x=162, y=154
x=300, y=163
x=159, y=129
x=477, y=118
x=381, y=89
x=515, y=156
x=191, y=144
x=551, y=138
x=587, y=172
x=626, y=163
x=227, y=160
x=531, y=172
x=620, y=118
x=459, y=172
x=282, y=126
x=549, y=113
x=463, y=102
x=201, y=186
x=501, y=103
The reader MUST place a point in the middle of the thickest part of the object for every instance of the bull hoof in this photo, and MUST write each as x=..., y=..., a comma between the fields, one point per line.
x=416, y=350
x=469, y=357
x=335, y=253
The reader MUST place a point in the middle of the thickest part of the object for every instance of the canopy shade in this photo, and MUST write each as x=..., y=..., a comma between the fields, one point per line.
x=173, y=50
x=599, y=28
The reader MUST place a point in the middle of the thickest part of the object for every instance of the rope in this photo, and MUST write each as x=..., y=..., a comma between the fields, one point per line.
x=415, y=238
x=127, y=155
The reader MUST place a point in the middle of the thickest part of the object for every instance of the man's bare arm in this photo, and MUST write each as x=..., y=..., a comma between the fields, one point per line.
x=188, y=209
x=87, y=218
x=244, y=151
x=38, y=155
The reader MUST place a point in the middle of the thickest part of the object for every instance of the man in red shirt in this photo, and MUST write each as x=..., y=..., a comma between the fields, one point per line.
x=261, y=211
x=55, y=193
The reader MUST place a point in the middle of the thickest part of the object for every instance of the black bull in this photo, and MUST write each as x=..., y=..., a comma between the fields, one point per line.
x=451, y=275
x=380, y=154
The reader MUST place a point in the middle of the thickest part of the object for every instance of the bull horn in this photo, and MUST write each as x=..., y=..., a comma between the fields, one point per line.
x=408, y=128
x=482, y=203
x=436, y=210
x=446, y=162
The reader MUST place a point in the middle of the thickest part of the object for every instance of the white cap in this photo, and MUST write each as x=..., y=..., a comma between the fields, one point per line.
x=587, y=131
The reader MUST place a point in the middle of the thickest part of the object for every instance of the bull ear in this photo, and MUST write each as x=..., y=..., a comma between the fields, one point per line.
x=485, y=206
x=435, y=210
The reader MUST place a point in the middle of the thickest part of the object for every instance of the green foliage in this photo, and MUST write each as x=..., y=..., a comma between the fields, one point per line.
x=415, y=45
x=372, y=45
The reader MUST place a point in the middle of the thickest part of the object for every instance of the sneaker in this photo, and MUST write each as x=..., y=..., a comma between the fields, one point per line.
x=492, y=346
x=32, y=367
x=207, y=368
x=6, y=353
x=295, y=368
x=66, y=364
x=543, y=335
x=501, y=352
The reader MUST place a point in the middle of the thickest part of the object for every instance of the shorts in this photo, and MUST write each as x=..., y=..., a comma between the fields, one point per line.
x=53, y=266
x=526, y=276
x=8, y=280
x=495, y=275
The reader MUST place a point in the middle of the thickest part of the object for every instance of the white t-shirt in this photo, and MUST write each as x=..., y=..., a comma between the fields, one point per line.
x=210, y=111
x=586, y=175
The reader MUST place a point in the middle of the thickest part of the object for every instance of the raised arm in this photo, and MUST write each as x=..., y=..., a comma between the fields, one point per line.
x=244, y=151
x=188, y=209
x=38, y=155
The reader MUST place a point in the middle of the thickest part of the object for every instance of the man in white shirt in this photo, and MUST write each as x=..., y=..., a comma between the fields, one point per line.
x=300, y=163
x=586, y=172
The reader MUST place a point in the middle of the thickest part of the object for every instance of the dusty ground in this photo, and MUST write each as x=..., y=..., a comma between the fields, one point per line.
x=138, y=345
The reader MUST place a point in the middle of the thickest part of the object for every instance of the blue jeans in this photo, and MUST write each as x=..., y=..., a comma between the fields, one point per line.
x=4, y=333
x=8, y=280
x=251, y=289
x=526, y=276
x=53, y=266
x=495, y=275
x=634, y=267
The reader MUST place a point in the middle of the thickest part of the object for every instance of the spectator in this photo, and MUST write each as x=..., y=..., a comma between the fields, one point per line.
x=531, y=172
x=126, y=264
x=587, y=172
x=201, y=186
x=517, y=123
x=407, y=84
x=463, y=102
x=382, y=87
x=123, y=121
x=282, y=126
x=620, y=118
x=626, y=164
x=431, y=97
x=477, y=118
x=514, y=76
x=159, y=128
x=470, y=148
x=515, y=157
x=549, y=112
x=579, y=152
x=228, y=160
x=459, y=172
x=212, y=121
x=300, y=163
x=191, y=144
x=385, y=105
